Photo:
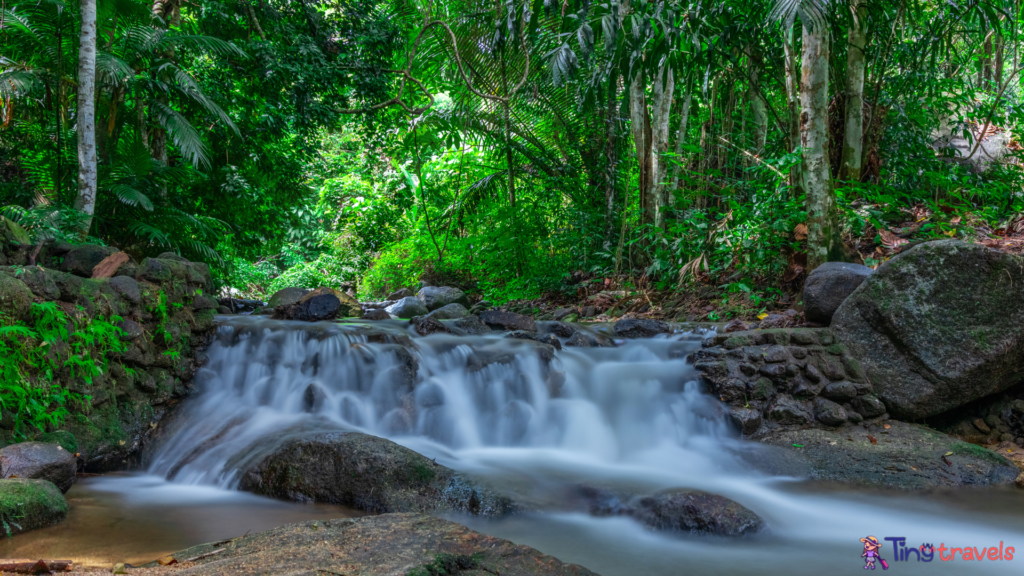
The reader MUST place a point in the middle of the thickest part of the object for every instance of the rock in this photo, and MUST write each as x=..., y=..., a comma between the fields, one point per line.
x=435, y=297
x=906, y=456
x=640, y=328
x=407, y=308
x=472, y=325
x=786, y=410
x=224, y=310
x=736, y=326
x=840, y=391
x=126, y=287
x=399, y=294
x=588, y=312
x=131, y=330
x=775, y=321
x=316, y=309
x=562, y=313
x=15, y=298
x=695, y=512
x=27, y=504
x=506, y=321
x=542, y=338
x=348, y=307
x=1020, y=480
x=451, y=311
x=376, y=314
x=748, y=420
x=40, y=281
x=364, y=472
x=426, y=325
x=829, y=413
x=286, y=297
x=388, y=545
x=204, y=303
x=868, y=405
x=155, y=270
x=80, y=260
x=561, y=329
x=38, y=460
x=583, y=339
x=938, y=326
x=828, y=285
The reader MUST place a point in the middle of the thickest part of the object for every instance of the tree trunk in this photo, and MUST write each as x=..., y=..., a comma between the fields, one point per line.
x=86, y=116
x=664, y=87
x=639, y=125
x=611, y=153
x=822, y=234
x=758, y=108
x=853, y=140
x=684, y=117
x=792, y=103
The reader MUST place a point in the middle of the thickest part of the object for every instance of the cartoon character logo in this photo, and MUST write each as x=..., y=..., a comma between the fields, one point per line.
x=870, y=555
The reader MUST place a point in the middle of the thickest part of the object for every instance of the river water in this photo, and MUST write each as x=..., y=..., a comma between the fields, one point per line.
x=630, y=418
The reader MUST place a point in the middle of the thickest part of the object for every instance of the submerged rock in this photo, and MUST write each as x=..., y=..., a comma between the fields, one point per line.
x=682, y=510
x=40, y=461
x=828, y=285
x=367, y=473
x=906, y=456
x=385, y=545
x=27, y=504
x=938, y=326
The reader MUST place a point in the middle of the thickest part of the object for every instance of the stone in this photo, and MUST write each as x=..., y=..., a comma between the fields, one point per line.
x=426, y=325
x=286, y=297
x=561, y=313
x=472, y=325
x=507, y=321
x=840, y=391
x=641, y=328
x=39, y=460
x=80, y=260
x=451, y=311
x=130, y=329
x=204, y=303
x=775, y=321
x=561, y=329
x=695, y=512
x=584, y=339
x=938, y=326
x=435, y=297
x=348, y=307
x=588, y=312
x=15, y=298
x=364, y=472
x=126, y=287
x=318, y=308
x=40, y=281
x=407, y=308
x=399, y=294
x=27, y=504
x=542, y=338
x=786, y=410
x=905, y=456
x=388, y=545
x=748, y=420
x=981, y=426
x=829, y=413
x=868, y=405
x=828, y=285
x=775, y=354
x=736, y=326
x=376, y=314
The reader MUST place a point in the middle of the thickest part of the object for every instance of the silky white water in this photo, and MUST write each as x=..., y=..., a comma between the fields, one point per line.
x=630, y=417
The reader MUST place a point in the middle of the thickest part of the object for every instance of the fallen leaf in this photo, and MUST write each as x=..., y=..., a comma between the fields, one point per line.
x=167, y=561
x=800, y=232
x=955, y=220
x=874, y=441
x=762, y=316
x=887, y=426
x=947, y=454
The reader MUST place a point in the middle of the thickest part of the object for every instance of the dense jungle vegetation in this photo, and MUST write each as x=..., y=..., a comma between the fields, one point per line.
x=512, y=147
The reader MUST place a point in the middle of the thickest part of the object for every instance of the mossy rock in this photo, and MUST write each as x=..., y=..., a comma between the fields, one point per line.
x=29, y=504
x=15, y=298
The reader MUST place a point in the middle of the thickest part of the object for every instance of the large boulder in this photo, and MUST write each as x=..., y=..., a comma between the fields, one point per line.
x=27, y=504
x=80, y=260
x=695, y=512
x=349, y=307
x=39, y=460
x=828, y=286
x=407, y=308
x=388, y=544
x=452, y=311
x=399, y=294
x=498, y=320
x=894, y=455
x=15, y=298
x=641, y=328
x=938, y=326
x=286, y=297
x=435, y=297
x=364, y=472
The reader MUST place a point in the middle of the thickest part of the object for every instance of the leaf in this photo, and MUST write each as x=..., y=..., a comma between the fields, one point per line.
x=800, y=232
x=762, y=316
x=874, y=441
x=947, y=454
x=887, y=426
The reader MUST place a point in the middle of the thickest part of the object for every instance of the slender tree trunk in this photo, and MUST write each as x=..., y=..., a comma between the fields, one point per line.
x=822, y=234
x=684, y=117
x=86, y=115
x=853, y=140
x=639, y=122
x=663, y=89
x=758, y=108
x=792, y=103
x=999, y=61
x=611, y=153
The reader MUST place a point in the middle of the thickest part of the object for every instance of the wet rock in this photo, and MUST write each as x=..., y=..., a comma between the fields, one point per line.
x=388, y=545
x=840, y=391
x=80, y=260
x=39, y=460
x=407, y=308
x=938, y=326
x=316, y=309
x=786, y=410
x=561, y=329
x=748, y=420
x=348, y=307
x=640, y=328
x=451, y=311
x=906, y=456
x=472, y=325
x=561, y=313
x=376, y=314
x=127, y=287
x=829, y=413
x=505, y=321
x=695, y=512
x=367, y=473
x=828, y=285
x=204, y=303
x=27, y=504
x=435, y=297
x=313, y=398
x=399, y=294
x=426, y=325
x=584, y=339
x=286, y=297
x=542, y=338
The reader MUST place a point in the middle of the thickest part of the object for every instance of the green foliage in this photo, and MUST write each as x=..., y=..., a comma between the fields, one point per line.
x=32, y=356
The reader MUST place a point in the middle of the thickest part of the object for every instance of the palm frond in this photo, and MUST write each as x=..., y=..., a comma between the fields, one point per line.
x=132, y=197
x=813, y=13
x=183, y=134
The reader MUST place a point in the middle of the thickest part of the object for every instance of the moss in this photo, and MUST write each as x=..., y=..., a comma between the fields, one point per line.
x=836, y=349
x=423, y=473
x=736, y=342
x=975, y=451
x=448, y=565
x=804, y=337
x=27, y=504
x=65, y=439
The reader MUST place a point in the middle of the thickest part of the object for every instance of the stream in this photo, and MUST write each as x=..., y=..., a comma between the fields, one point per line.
x=630, y=418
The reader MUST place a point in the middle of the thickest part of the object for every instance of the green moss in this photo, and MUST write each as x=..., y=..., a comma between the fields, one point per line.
x=836, y=349
x=975, y=451
x=26, y=504
x=448, y=565
x=736, y=342
x=423, y=473
x=65, y=439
